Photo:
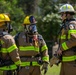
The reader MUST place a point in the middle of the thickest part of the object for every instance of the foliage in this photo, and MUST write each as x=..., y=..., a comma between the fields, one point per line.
x=49, y=25
x=15, y=13
x=67, y=1
x=49, y=22
x=48, y=7
x=28, y=6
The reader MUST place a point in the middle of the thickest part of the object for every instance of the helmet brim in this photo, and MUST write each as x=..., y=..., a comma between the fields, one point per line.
x=67, y=11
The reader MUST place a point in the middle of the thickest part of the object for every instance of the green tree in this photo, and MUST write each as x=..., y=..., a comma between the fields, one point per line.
x=49, y=20
x=67, y=1
x=28, y=6
x=15, y=13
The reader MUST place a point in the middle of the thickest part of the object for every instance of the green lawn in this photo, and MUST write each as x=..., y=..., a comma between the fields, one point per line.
x=51, y=70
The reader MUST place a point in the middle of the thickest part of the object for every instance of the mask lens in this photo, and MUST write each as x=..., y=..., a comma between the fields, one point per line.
x=33, y=28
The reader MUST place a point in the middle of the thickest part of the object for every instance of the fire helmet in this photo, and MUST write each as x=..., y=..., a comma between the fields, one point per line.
x=66, y=8
x=4, y=18
x=29, y=20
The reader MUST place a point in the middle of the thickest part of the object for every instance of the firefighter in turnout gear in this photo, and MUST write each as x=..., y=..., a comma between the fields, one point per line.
x=32, y=49
x=9, y=56
x=67, y=41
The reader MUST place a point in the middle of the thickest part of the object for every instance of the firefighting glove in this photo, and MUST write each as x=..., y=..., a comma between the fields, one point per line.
x=44, y=67
x=55, y=60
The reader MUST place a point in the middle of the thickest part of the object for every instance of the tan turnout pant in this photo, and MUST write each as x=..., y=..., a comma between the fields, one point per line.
x=30, y=70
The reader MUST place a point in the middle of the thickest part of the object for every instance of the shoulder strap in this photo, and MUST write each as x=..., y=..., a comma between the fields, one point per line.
x=40, y=39
x=16, y=38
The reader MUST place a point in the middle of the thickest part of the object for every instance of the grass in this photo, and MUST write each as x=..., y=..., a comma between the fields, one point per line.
x=51, y=70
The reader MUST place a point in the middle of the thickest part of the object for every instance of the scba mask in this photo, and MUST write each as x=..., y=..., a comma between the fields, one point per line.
x=31, y=28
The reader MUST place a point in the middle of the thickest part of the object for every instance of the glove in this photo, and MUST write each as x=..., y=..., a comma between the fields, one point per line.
x=55, y=60
x=44, y=67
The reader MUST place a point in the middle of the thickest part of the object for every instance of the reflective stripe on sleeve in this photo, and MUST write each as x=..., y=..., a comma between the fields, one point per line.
x=71, y=32
x=45, y=58
x=63, y=37
x=13, y=47
x=69, y=58
x=4, y=50
x=18, y=62
x=44, y=48
x=64, y=46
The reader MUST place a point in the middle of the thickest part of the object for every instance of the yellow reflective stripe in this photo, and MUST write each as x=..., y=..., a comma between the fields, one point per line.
x=69, y=58
x=28, y=64
x=72, y=31
x=68, y=36
x=11, y=67
x=13, y=47
x=18, y=62
x=35, y=64
x=45, y=58
x=64, y=46
x=4, y=50
x=44, y=48
x=63, y=37
x=25, y=64
x=28, y=48
x=69, y=32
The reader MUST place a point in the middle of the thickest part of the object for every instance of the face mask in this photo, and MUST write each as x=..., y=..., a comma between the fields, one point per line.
x=33, y=28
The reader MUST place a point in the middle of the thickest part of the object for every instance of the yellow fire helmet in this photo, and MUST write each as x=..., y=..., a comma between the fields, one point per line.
x=29, y=20
x=26, y=20
x=4, y=18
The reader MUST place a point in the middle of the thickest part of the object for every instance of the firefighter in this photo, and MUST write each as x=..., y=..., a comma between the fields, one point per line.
x=67, y=41
x=9, y=56
x=32, y=49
